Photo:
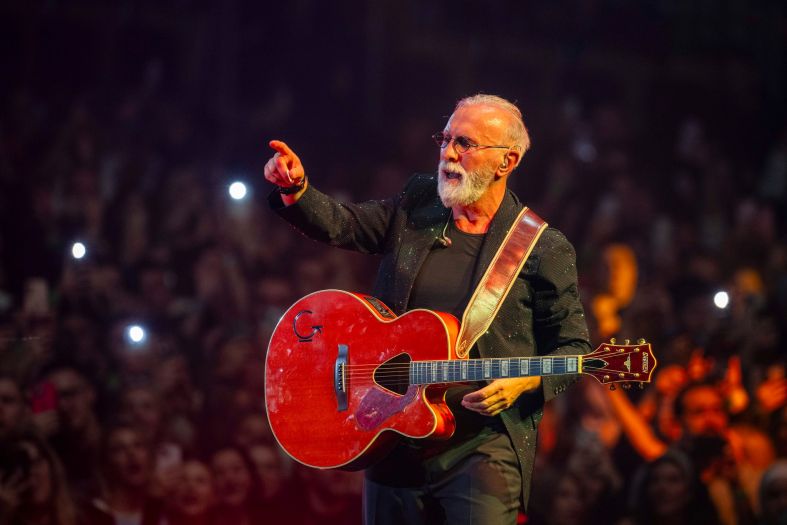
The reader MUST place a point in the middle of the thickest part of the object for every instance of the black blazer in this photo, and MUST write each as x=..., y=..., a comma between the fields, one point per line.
x=541, y=315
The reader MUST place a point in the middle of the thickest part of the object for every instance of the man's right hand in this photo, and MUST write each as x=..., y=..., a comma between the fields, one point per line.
x=284, y=169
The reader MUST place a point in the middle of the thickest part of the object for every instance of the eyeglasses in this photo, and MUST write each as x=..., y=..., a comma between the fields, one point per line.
x=461, y=144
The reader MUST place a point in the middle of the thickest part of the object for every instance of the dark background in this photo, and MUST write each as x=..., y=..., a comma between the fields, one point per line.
x=657, y=126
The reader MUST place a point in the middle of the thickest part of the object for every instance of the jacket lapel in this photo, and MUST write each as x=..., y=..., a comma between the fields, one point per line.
x=498, y=229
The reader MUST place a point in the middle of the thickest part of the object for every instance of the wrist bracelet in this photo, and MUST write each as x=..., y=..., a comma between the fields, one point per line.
x=291, y=190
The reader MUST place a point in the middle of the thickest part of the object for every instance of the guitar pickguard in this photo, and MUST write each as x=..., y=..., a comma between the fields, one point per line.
x=378, y=405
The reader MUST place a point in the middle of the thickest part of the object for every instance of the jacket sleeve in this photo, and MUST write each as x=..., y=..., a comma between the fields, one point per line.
x=559, y=323
x=361, y=227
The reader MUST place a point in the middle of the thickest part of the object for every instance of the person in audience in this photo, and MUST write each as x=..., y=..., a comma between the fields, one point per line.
x=773, y=495
x=191, y=500
x=236, y=486
x=77, y=439
x=13, y=411
x=668, y=491
x=127, y=467
x=33, y=486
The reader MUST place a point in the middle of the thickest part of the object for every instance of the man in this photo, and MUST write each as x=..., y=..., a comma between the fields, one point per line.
x=436, y=239
x=78, y=434
x=127, y=465
x=13, y=411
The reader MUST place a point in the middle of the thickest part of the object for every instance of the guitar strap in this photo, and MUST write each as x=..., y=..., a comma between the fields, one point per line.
x=498, y=278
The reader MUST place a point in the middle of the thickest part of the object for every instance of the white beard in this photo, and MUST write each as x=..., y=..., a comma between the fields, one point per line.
x=467, y=189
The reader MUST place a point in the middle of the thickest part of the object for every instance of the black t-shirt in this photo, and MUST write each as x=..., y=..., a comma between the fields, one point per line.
x=444, y=283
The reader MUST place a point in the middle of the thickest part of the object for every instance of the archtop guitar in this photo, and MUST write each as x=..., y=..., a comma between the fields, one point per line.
x=345, y=376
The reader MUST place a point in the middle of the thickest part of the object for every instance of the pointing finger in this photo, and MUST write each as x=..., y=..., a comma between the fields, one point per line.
x=283, y=168
x=283, y=149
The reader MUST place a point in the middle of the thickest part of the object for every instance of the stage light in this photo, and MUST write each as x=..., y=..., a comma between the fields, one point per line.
x=721, y=299
x=238, y=190
x=135, y=334
x=78, y=250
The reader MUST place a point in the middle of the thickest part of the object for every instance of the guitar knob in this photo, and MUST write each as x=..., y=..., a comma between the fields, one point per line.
x=612, y=386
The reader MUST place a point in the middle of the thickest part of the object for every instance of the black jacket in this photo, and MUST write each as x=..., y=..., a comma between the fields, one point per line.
x=541, y=315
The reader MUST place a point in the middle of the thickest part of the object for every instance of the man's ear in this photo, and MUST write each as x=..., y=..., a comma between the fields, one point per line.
x=510, y=162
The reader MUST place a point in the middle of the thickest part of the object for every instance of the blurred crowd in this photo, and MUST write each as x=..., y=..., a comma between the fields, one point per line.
x=101, y=424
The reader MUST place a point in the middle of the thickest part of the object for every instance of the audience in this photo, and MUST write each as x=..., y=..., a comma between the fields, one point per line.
x=668, y=195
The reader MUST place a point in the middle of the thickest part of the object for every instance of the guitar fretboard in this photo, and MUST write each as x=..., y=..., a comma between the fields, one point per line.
x=459, y=370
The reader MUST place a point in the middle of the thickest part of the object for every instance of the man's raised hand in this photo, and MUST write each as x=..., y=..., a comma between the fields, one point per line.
x=284, y=168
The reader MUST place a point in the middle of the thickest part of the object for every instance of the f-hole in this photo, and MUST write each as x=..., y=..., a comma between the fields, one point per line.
x=394, y=374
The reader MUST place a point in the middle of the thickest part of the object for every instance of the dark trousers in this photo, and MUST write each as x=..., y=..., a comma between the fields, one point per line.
x=483, y=488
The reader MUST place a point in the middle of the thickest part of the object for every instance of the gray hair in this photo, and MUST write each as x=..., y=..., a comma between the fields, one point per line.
x=517, y=132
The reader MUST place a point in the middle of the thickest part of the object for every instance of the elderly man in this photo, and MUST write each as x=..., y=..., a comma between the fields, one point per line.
x=436, y=239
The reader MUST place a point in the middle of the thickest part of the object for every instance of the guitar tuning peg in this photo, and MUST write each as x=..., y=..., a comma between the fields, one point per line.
x=641, y=385
x=612, y=387
x=626, y=341
x=626, y=386
x=612, y=340
x=641, y=341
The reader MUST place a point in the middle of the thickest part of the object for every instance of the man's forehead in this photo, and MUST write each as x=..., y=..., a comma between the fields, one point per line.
x=483, y=119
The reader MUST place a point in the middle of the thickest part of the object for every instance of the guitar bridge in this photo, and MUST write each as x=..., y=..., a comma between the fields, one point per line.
x=340, y=378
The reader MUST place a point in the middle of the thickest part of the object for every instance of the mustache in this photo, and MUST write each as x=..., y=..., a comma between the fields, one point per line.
x=453, y=167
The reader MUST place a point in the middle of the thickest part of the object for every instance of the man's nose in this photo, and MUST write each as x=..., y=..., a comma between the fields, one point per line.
x=449, y=152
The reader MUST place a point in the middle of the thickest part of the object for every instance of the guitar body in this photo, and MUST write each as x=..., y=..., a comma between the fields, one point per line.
x=336, y=380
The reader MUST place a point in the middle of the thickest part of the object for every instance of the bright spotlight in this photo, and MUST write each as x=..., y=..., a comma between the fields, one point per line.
x=135, y=334
x=78, y=250
x=721, y=299
x=238, y=190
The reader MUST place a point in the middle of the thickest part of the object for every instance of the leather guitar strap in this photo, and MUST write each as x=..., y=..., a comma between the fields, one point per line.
x=499, y=278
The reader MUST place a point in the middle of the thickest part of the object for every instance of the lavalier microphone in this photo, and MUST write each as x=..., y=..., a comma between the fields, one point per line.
x=443, y=239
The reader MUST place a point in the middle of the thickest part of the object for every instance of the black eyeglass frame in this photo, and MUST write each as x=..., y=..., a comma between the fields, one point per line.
x=461, y=143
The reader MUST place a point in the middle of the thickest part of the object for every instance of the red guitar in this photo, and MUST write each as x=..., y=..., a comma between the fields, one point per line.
x=344, y=376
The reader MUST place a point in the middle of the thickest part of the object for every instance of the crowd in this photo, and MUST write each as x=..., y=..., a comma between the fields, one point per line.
x=100, y=425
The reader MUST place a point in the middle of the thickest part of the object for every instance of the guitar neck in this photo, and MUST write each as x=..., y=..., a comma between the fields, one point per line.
x=462, y=370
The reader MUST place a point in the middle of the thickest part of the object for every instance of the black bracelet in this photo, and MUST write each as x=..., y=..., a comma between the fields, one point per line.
x=291, y=190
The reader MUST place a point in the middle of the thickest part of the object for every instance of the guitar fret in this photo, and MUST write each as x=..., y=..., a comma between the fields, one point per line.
x=464, y=370
x=460, y=370
x=547, y=365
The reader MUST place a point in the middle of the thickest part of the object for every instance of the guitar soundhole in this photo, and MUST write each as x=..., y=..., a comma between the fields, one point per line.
x=394, y=374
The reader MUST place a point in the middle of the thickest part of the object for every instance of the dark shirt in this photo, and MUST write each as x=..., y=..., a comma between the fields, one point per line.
x=444, y=283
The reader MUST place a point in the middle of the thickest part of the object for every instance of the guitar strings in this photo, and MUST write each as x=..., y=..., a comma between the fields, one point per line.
x=496, y=359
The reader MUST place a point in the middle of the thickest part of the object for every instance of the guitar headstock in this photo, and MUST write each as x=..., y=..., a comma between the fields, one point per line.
x=628, y=363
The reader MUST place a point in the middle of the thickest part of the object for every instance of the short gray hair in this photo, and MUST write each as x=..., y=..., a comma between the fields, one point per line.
x=517, y=132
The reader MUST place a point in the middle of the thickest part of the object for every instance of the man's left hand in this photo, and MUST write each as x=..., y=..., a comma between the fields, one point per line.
x=499, y=395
